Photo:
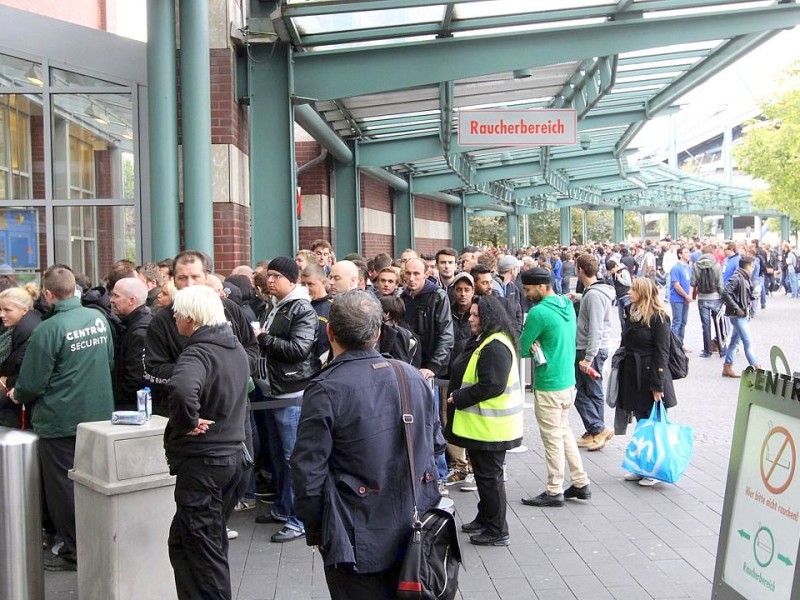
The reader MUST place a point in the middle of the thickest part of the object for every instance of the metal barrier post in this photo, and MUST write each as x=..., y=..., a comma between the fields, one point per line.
x=21, y=561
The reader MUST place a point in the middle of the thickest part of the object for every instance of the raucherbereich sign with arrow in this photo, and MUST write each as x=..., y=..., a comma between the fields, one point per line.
x=760, y=530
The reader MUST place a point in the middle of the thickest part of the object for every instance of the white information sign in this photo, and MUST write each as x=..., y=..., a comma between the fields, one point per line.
x=764, y=529
x=535, y=127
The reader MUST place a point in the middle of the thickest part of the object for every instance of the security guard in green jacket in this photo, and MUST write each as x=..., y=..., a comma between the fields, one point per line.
x=65, y=379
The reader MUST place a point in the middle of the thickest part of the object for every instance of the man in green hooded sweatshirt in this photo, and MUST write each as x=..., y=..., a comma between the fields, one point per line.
x=551, y=323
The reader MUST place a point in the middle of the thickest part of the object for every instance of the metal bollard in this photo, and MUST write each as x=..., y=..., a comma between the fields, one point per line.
x=21, y=568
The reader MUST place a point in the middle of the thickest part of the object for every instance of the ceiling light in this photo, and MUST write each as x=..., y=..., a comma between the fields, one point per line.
x=97, y=115
x=523, y=73
x=33, y=76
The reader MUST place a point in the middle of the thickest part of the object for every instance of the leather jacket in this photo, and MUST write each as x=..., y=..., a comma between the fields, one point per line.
x=288, y=346
x=737, y=294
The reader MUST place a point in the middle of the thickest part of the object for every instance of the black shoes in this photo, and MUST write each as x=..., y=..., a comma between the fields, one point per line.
x=483, y=539
x=473, y=527
x=583, y=493
x=544, y=500
x=269, y=518
x=59, y=563
x=287, y=535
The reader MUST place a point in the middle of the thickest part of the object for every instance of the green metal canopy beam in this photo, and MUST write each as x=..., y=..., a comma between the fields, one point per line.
x=358, y=71
x=395, y=152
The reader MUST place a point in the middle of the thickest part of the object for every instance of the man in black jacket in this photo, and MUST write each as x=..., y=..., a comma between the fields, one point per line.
x=737, y=297
x=350, y=461
x=203, y=442
x=287, y=342
x=128, y=298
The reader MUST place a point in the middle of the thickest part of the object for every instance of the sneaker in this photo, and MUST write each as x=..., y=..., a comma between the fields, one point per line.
x=469, y=484
x=232, y=533
x=443, y=491
x=632, y=477
x=473, y=527
x=484, y=539
x=600, y=440
x=455, y=477
x=245, y=504
x=287, y=534
x=56, y=548
x=704, y=354
x=648, y=482
x=585, y=440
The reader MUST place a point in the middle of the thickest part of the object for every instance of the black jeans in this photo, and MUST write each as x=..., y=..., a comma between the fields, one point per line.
x=346, y=585
x=487, y=465
x=56, y=456
x=205, y=494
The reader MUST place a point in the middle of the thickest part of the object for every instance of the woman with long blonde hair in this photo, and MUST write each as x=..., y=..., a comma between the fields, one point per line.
x=644, y=375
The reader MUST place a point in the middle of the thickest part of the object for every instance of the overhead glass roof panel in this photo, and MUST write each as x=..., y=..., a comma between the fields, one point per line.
x=488, y=8
x=353, y=21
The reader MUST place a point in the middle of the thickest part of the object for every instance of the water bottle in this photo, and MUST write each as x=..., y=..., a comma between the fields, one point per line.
x=148, y=404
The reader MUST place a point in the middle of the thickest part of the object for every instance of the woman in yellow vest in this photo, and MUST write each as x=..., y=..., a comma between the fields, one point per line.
x=484, y=405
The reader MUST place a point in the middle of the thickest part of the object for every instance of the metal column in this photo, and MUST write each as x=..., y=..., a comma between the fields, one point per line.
x=785, y=228
x=619, y=225
x=273, y=206
x=565, y=228
x=672, y=224
x=403, y=203
x=512, y=232
x=162, y=105
x=198, y=213
x=347, y=208
x=459, y=226
x=727, y=226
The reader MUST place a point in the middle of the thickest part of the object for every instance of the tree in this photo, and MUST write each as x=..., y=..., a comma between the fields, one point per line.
x=771, y=147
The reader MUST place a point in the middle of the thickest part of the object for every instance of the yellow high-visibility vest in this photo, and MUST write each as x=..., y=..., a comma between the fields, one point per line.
x=497, y=419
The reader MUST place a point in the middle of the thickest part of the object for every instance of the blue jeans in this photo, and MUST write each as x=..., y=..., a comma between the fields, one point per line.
x=680, y=314
x=707, y=310
x=741, y=333
x=589, y=399
x=791, y=279
x=441, y=460
x=282, y=432
x=557, y=285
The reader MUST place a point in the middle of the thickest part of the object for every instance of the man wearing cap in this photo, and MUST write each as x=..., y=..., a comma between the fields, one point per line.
x=551, y=322
x=287, y=342
x=508, y=268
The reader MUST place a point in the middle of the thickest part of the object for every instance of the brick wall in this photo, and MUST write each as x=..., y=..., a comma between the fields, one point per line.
x=375, y=243
x=103, y=178
x=37, y=157
x=89, y=13
x=430, y=210
x=231, y=236
x=308, y=234
x=375, y=194
x=316, y=180
x=229, y=123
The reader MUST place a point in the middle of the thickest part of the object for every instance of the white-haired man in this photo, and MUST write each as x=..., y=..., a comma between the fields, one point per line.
x=203, y=442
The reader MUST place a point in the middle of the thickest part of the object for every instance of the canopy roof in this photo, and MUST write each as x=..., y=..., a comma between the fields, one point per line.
x=390, y=77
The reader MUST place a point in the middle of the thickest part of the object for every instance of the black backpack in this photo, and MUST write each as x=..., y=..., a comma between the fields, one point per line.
x=678, y=361
x=707, y=281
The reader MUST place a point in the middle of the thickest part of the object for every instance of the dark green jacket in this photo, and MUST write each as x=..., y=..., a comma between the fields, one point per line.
x=66, y=374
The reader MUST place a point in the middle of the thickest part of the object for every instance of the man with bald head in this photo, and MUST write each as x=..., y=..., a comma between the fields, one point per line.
x=343, y=277
x=128, y=300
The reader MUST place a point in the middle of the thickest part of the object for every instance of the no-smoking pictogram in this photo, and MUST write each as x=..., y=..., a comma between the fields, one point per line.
x=778, y=456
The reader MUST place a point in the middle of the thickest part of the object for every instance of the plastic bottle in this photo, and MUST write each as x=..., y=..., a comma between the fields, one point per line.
x=591, y=372
x=148, y=403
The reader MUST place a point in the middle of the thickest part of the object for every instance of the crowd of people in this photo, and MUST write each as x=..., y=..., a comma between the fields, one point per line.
x=280, y=398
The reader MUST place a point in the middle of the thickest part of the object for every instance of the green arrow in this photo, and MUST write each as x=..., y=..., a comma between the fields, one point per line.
x=784, y=559
x=744, y=534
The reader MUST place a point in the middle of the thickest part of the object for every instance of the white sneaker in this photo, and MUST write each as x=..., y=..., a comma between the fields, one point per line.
x=648, y=482
x=469, y=484
x=232, y=534
x=633, y=477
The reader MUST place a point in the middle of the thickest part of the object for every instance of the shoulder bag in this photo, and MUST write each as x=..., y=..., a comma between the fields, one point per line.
x=433, y=555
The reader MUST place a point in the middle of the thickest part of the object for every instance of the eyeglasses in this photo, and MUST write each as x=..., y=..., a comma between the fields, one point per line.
x=274, y=275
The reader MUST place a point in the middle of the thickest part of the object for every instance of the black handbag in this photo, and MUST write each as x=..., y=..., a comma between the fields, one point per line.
x=433, y=555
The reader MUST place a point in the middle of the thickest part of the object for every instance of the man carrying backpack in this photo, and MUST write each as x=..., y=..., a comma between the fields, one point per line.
x=792, y=268
x=707, y=284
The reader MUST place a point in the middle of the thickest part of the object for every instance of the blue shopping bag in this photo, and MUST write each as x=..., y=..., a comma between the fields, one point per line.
x=659, y=449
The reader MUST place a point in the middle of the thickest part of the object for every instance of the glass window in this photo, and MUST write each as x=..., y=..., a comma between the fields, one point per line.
x=62, y=78
x=92, y=146
x=22, y=238
x=21, y=147
x=90, y=239
x=15, y=72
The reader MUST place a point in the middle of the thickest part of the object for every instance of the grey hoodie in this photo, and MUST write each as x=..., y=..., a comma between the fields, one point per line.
x=594, y=319
x=706, y=261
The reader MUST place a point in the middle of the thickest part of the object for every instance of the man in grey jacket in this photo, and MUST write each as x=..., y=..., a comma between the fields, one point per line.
x=594, y=333
x=707, y=285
